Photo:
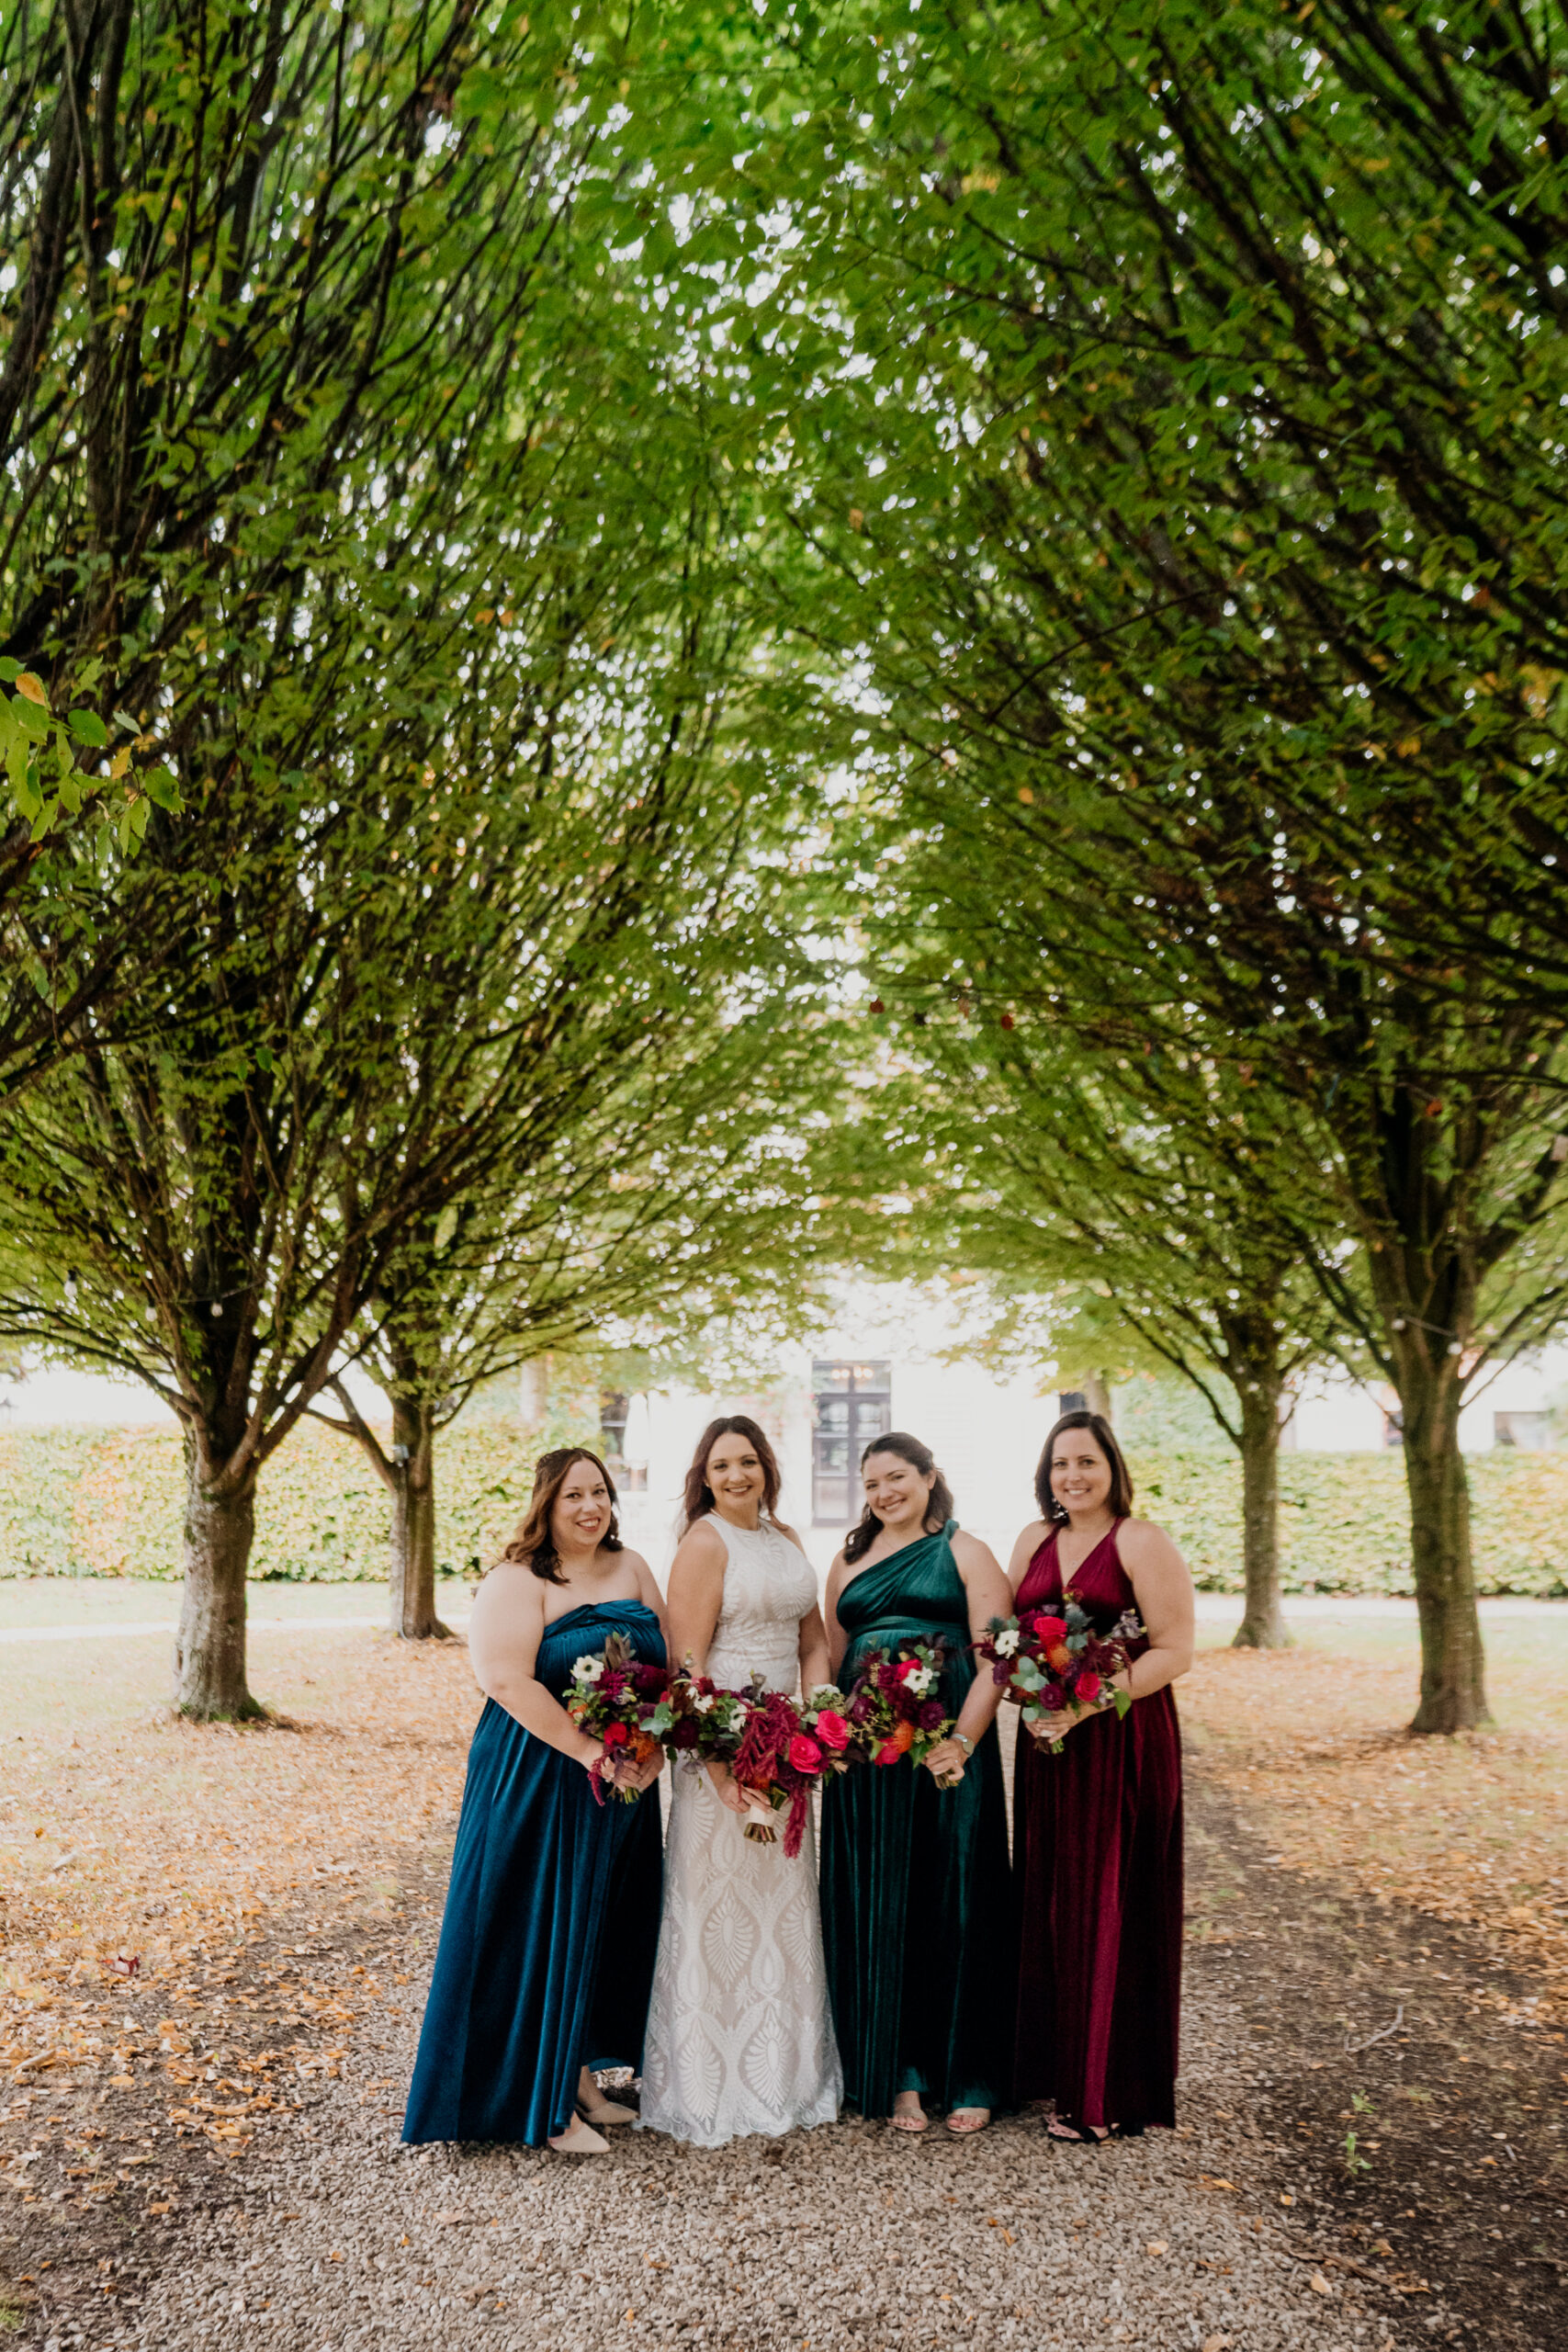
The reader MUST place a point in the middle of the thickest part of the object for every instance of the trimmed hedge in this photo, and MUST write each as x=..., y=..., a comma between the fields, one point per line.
x=1345, y=1520
x=105, y=1502
x=108, y=1502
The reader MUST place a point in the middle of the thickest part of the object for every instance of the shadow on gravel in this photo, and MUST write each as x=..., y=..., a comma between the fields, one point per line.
x=1348, y=2099
x=107, y=2184
x=1417, y=2137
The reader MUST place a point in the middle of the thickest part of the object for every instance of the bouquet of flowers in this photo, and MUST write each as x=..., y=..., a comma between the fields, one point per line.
x=1051, y=1658
x=775, y=1763
x=824, y=1720
x=624, y=1702
x=895, y=1707
x=705, y=1723
x=773, y=1749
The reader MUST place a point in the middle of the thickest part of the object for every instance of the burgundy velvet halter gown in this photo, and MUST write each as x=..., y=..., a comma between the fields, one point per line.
x=1097, y=1859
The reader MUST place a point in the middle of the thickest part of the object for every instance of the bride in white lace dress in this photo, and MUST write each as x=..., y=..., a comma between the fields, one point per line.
x=740, y=2033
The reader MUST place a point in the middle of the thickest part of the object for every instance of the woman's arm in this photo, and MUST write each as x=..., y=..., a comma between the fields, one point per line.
x=815, y=1669
x=647, y=1592
x=989, y=1595
x=642, y=1776
x=504, y=1632
x=1163, y=1586
x=696, y=1596
x=812, y=1650
x=838, y=1640
x=1030, y=1540
x=1163, y=1590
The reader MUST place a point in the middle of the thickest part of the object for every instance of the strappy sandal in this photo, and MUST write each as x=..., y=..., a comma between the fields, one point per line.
x=1065, y=2133
x=1069, y=2134
x=910, y=2123
x=966, y=2131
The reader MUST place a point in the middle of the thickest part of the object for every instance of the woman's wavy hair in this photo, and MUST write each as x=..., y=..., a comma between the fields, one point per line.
x=533, y=1544
x=698, y=1498
x=939, y=1509
x=1100, y=1429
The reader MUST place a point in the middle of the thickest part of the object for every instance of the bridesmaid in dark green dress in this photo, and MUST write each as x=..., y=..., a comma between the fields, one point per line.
x=917, y=1912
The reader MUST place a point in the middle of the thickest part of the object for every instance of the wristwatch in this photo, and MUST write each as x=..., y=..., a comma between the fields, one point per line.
x=963, y=1741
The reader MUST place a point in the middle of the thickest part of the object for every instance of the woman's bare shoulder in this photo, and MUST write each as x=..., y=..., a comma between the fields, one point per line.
x=647, y=1582
x=700, y=1564
x=510, y=1600
x=1144, y=1543
x=702, y=1540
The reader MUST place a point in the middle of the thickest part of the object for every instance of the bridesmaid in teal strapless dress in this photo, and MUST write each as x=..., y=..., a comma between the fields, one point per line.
x=917, y=1912
x=545, y=1960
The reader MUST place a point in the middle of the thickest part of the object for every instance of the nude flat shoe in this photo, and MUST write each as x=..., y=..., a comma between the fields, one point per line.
x=580, y=2139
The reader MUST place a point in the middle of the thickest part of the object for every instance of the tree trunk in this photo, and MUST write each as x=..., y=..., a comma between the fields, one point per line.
x=1263, y=1624
x=412, y=1569
x=1097, y=1394
x=209, y=1650
x=1453, y=1662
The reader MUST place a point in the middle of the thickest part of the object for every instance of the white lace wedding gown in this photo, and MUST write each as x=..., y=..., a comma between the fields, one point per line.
x=740, y=2033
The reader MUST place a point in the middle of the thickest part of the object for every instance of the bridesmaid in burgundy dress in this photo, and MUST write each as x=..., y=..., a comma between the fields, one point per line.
x=1097, y=1825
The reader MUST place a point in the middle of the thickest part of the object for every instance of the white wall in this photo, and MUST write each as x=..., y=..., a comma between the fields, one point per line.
x=985, y=1433
x=1338, y=1415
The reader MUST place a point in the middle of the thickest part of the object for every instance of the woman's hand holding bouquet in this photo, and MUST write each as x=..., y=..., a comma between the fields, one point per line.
x=621, y=1701
x=1057, y=1668
x=895, y=1706
x=706, y=1729
x=776, y=1766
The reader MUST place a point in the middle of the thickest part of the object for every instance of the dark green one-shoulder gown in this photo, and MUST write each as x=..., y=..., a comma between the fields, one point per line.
x=917, y=1910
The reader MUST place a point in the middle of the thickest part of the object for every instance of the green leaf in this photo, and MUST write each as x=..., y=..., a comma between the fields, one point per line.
x=88, y=728
x=161, y=790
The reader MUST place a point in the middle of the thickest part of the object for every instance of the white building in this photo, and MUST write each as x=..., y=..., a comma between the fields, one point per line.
x=1513, y=1406
x=888, y=1366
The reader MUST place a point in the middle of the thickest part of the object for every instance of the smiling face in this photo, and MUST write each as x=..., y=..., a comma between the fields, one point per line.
x=898, y=1493
x=1080, y=1474
x=736, y=1477
x=580, y=1518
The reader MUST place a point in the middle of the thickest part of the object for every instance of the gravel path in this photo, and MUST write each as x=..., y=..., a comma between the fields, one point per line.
x=851, y=2236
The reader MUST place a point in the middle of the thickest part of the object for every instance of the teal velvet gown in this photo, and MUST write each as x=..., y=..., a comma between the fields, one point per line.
x=545, y=1959
x=917, y=1910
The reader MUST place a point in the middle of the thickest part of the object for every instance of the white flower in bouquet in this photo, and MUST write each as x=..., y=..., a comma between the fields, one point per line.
x=920, y=1681
x=588, y=1670
x=1007, y=1641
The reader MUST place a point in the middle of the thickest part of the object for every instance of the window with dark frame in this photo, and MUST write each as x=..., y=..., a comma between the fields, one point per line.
x=851, y=1402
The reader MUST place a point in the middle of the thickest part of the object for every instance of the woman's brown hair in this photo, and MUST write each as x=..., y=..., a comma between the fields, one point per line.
x=699, y=1494
x=532, y=1545
x=1098, y=1428
x=939, y=1506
